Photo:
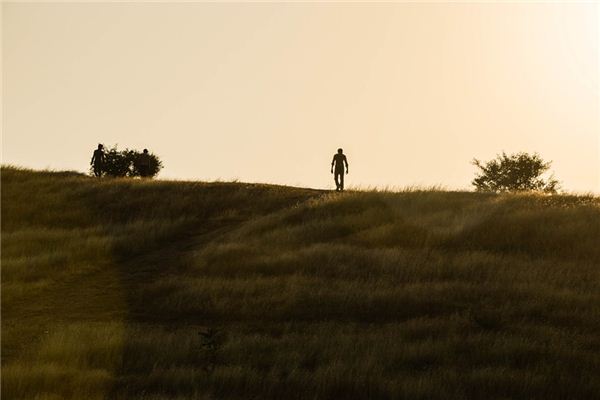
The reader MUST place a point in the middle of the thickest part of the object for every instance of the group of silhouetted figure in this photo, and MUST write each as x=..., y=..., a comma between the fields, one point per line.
x=98, y=162
x=339, y=165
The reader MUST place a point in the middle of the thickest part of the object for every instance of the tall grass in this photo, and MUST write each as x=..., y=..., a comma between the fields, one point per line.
x=419, y=294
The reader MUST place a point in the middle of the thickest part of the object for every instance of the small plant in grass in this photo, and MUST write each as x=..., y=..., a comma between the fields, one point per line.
x=211, y=341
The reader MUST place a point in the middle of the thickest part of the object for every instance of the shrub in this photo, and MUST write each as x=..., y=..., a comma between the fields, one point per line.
x=514, y=173
x=121, y=163
x=116, y=163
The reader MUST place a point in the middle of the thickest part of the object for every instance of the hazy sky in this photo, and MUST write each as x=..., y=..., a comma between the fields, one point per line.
x=267, y=92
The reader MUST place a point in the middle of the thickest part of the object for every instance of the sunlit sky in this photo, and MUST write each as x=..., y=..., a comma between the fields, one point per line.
x=266, y=92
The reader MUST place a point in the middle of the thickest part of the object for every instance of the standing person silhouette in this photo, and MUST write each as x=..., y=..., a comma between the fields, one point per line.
x=338, y=162
x=98, y=160
x=144, y=164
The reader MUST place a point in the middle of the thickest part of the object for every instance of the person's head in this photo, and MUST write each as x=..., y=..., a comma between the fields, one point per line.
x=145, y=151
x=340, y=151
x=100, y=147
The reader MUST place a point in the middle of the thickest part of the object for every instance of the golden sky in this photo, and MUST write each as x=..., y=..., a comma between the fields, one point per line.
x=266, y=92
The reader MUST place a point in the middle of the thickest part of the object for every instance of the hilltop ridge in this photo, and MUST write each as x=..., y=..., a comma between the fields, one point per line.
x=307, y=294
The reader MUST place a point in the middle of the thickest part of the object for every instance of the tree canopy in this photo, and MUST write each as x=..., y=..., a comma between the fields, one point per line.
x=514, y=173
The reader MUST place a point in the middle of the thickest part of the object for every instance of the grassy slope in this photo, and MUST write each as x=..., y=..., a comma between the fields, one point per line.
x=106, y=284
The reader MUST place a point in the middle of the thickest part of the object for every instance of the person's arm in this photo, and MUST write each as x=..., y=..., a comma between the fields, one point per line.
x=93, y=156
x=332, y=162
x=346, y=162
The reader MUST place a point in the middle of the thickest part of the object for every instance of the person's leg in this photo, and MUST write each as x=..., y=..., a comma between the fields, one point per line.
x=339, y=181
x=342, y=181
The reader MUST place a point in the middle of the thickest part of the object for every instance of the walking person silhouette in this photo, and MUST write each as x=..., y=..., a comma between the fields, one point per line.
x=338, y=162
x=98, y=160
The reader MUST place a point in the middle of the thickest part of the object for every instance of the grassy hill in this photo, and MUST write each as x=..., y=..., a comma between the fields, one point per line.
x=299, y=294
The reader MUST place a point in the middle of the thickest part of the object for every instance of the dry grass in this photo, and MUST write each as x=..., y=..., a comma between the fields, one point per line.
x=415, y=294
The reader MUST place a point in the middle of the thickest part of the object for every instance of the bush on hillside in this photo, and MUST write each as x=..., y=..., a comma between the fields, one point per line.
x=121, y=163
x=117, y=163
x=514, y=173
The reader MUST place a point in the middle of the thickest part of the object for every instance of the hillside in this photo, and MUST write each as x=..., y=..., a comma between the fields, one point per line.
x=299, y=294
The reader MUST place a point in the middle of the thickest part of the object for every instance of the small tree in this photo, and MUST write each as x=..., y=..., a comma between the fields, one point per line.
x=514, y=173
x=116, y=163
x=121, y=163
